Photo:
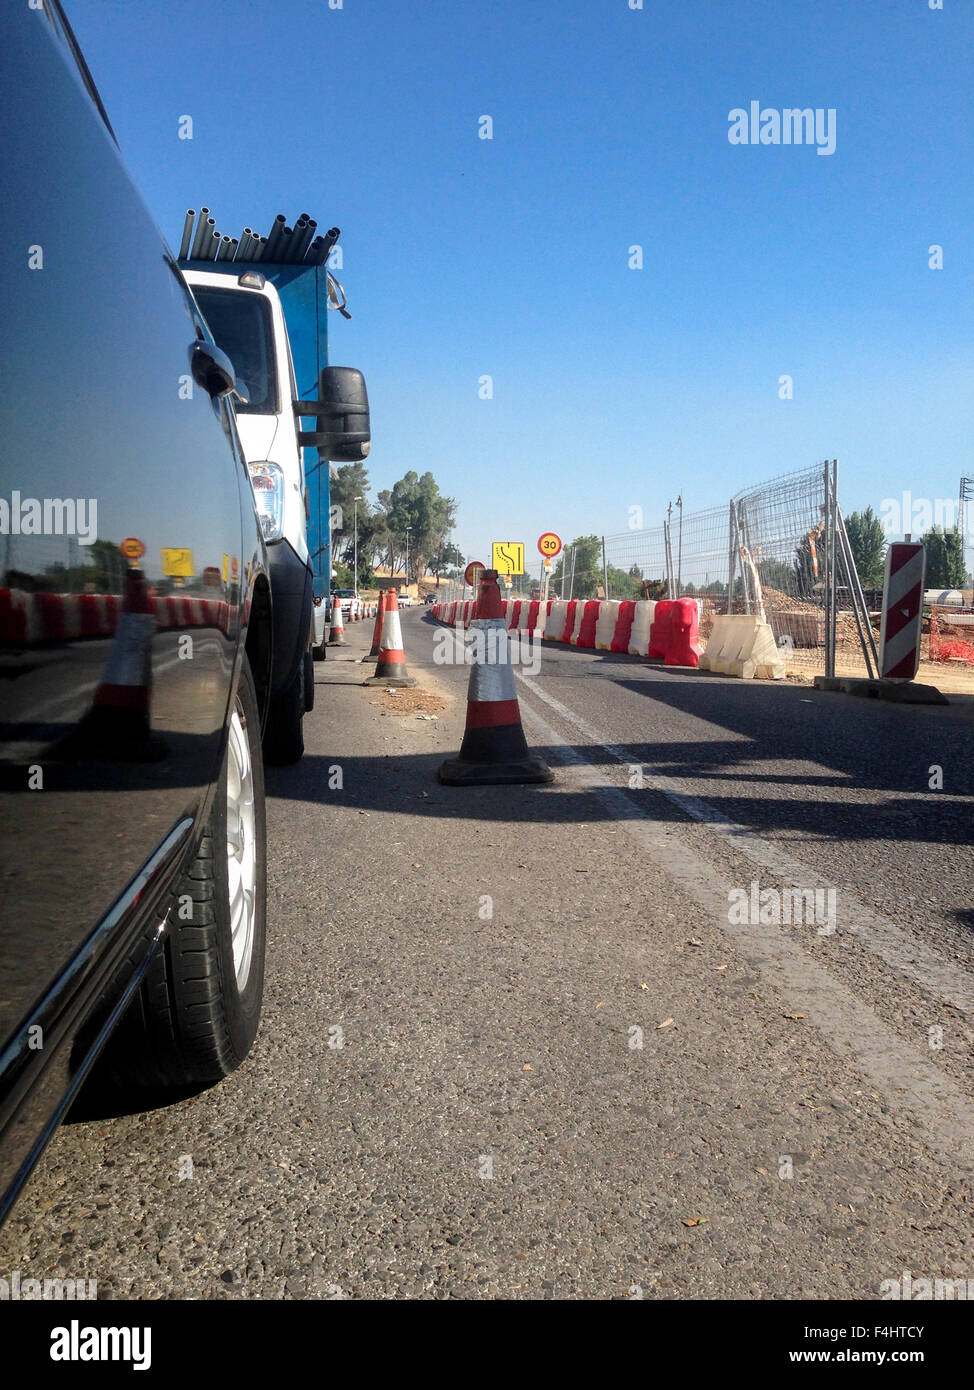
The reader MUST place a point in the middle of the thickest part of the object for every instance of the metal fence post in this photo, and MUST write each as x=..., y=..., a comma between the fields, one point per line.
x=732, y=558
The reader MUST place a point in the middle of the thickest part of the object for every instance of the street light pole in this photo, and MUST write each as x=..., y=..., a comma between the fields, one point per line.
x=355, y=529
x=408, y=529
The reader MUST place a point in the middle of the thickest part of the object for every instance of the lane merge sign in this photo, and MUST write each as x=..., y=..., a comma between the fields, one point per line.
x=508, y=557
x=177, y=562
x=550, y=545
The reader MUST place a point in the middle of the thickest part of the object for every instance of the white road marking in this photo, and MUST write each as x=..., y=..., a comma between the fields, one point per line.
x=899, y=950
x=909, y=1081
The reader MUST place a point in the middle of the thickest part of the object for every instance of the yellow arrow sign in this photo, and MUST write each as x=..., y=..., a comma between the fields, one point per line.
x=177, y=563
x=508, y=557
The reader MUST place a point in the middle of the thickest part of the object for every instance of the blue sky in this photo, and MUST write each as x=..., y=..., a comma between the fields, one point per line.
x=464, y=257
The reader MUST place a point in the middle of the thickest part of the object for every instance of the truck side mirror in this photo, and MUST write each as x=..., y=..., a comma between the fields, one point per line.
x=211, y=368
x=343, y=403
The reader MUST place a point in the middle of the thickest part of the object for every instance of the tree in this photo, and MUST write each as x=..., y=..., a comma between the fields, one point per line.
x=352, y=482
x=623, y=584
x=945, y=558
x=775, y=574
x=416, y=503
x=867, y=540
x=587, y=564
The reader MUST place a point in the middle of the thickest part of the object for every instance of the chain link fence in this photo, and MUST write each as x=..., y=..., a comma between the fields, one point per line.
x=778, y=549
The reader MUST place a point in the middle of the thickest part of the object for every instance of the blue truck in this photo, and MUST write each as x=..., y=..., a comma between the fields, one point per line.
x=266, y=300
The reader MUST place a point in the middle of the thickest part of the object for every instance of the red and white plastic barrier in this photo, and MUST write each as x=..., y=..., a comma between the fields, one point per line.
x=26, y=618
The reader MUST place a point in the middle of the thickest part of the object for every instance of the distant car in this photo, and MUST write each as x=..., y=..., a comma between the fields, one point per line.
x=405, y=600
x=135, y=882
x=430, y=598
x=351, y=604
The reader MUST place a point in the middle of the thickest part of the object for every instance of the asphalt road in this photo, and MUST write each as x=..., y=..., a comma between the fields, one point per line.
x=527, y=1042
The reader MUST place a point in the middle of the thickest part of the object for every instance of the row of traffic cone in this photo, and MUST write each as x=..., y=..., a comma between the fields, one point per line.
x=494, y=750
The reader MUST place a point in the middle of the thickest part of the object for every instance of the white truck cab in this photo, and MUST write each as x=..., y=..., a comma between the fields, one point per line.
x=245, y=316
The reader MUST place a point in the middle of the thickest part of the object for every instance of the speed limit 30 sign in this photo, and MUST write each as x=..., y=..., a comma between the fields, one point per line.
x=550, y=545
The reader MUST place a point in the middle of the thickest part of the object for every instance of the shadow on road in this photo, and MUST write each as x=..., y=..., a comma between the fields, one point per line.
x=407, y=785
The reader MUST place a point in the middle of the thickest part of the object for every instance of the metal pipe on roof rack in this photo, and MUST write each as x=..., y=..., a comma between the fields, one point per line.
x=187, y=240
x=227, y=248
x=311, y=255
x=204, y=225
x=243, y=242
x=212, y=246
x=261, y=254
x=330, y=237
x=284, y=246
x=253, y=243
x=303, y=240
x=277, y=231
x=296, y=239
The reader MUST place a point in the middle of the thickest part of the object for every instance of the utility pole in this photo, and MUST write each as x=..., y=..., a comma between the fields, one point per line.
x=679, y=547
x=408, y=529
x=355, y=529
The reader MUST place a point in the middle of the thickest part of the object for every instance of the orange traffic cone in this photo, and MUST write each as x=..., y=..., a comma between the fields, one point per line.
x=391, y=666
x=494, y=750
x=118, y=724
x=377, y=630
x=336, y=638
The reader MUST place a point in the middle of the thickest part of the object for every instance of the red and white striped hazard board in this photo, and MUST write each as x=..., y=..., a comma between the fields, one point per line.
x=899, y=651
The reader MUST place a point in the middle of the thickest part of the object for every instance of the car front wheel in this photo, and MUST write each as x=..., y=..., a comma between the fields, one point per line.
x=196, y=1014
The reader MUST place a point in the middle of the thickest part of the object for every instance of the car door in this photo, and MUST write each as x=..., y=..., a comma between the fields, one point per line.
x=120, y=542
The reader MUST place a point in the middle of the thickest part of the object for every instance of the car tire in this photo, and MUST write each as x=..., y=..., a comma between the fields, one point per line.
x=198, y=1008
x=284, y=734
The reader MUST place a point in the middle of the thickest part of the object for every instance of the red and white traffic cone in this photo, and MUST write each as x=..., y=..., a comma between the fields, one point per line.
x=391, y=666
x=118, y=724
x=494, y=750
x=377, y=630
x=336, y=637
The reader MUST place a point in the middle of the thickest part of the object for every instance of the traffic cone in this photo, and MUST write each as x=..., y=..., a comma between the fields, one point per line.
x=117, y=725
x=336, y=637
x=494, y=750
x=377, y=630
x=391, y=666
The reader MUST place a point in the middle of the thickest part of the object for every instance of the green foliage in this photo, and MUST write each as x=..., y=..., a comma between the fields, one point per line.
x=867, y=541
x=623, y=584
x=775, y=574
x=945, y=559
x=587, y=565
x=415, y=502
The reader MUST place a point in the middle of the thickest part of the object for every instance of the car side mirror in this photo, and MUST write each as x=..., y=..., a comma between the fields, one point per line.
x=211, y=369
x=343, y=428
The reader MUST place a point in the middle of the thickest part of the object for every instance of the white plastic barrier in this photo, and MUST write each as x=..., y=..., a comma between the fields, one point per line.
x=577, y=626
x=606, y=625
x=743, y=645
x=641, y=623
x=556, y=620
